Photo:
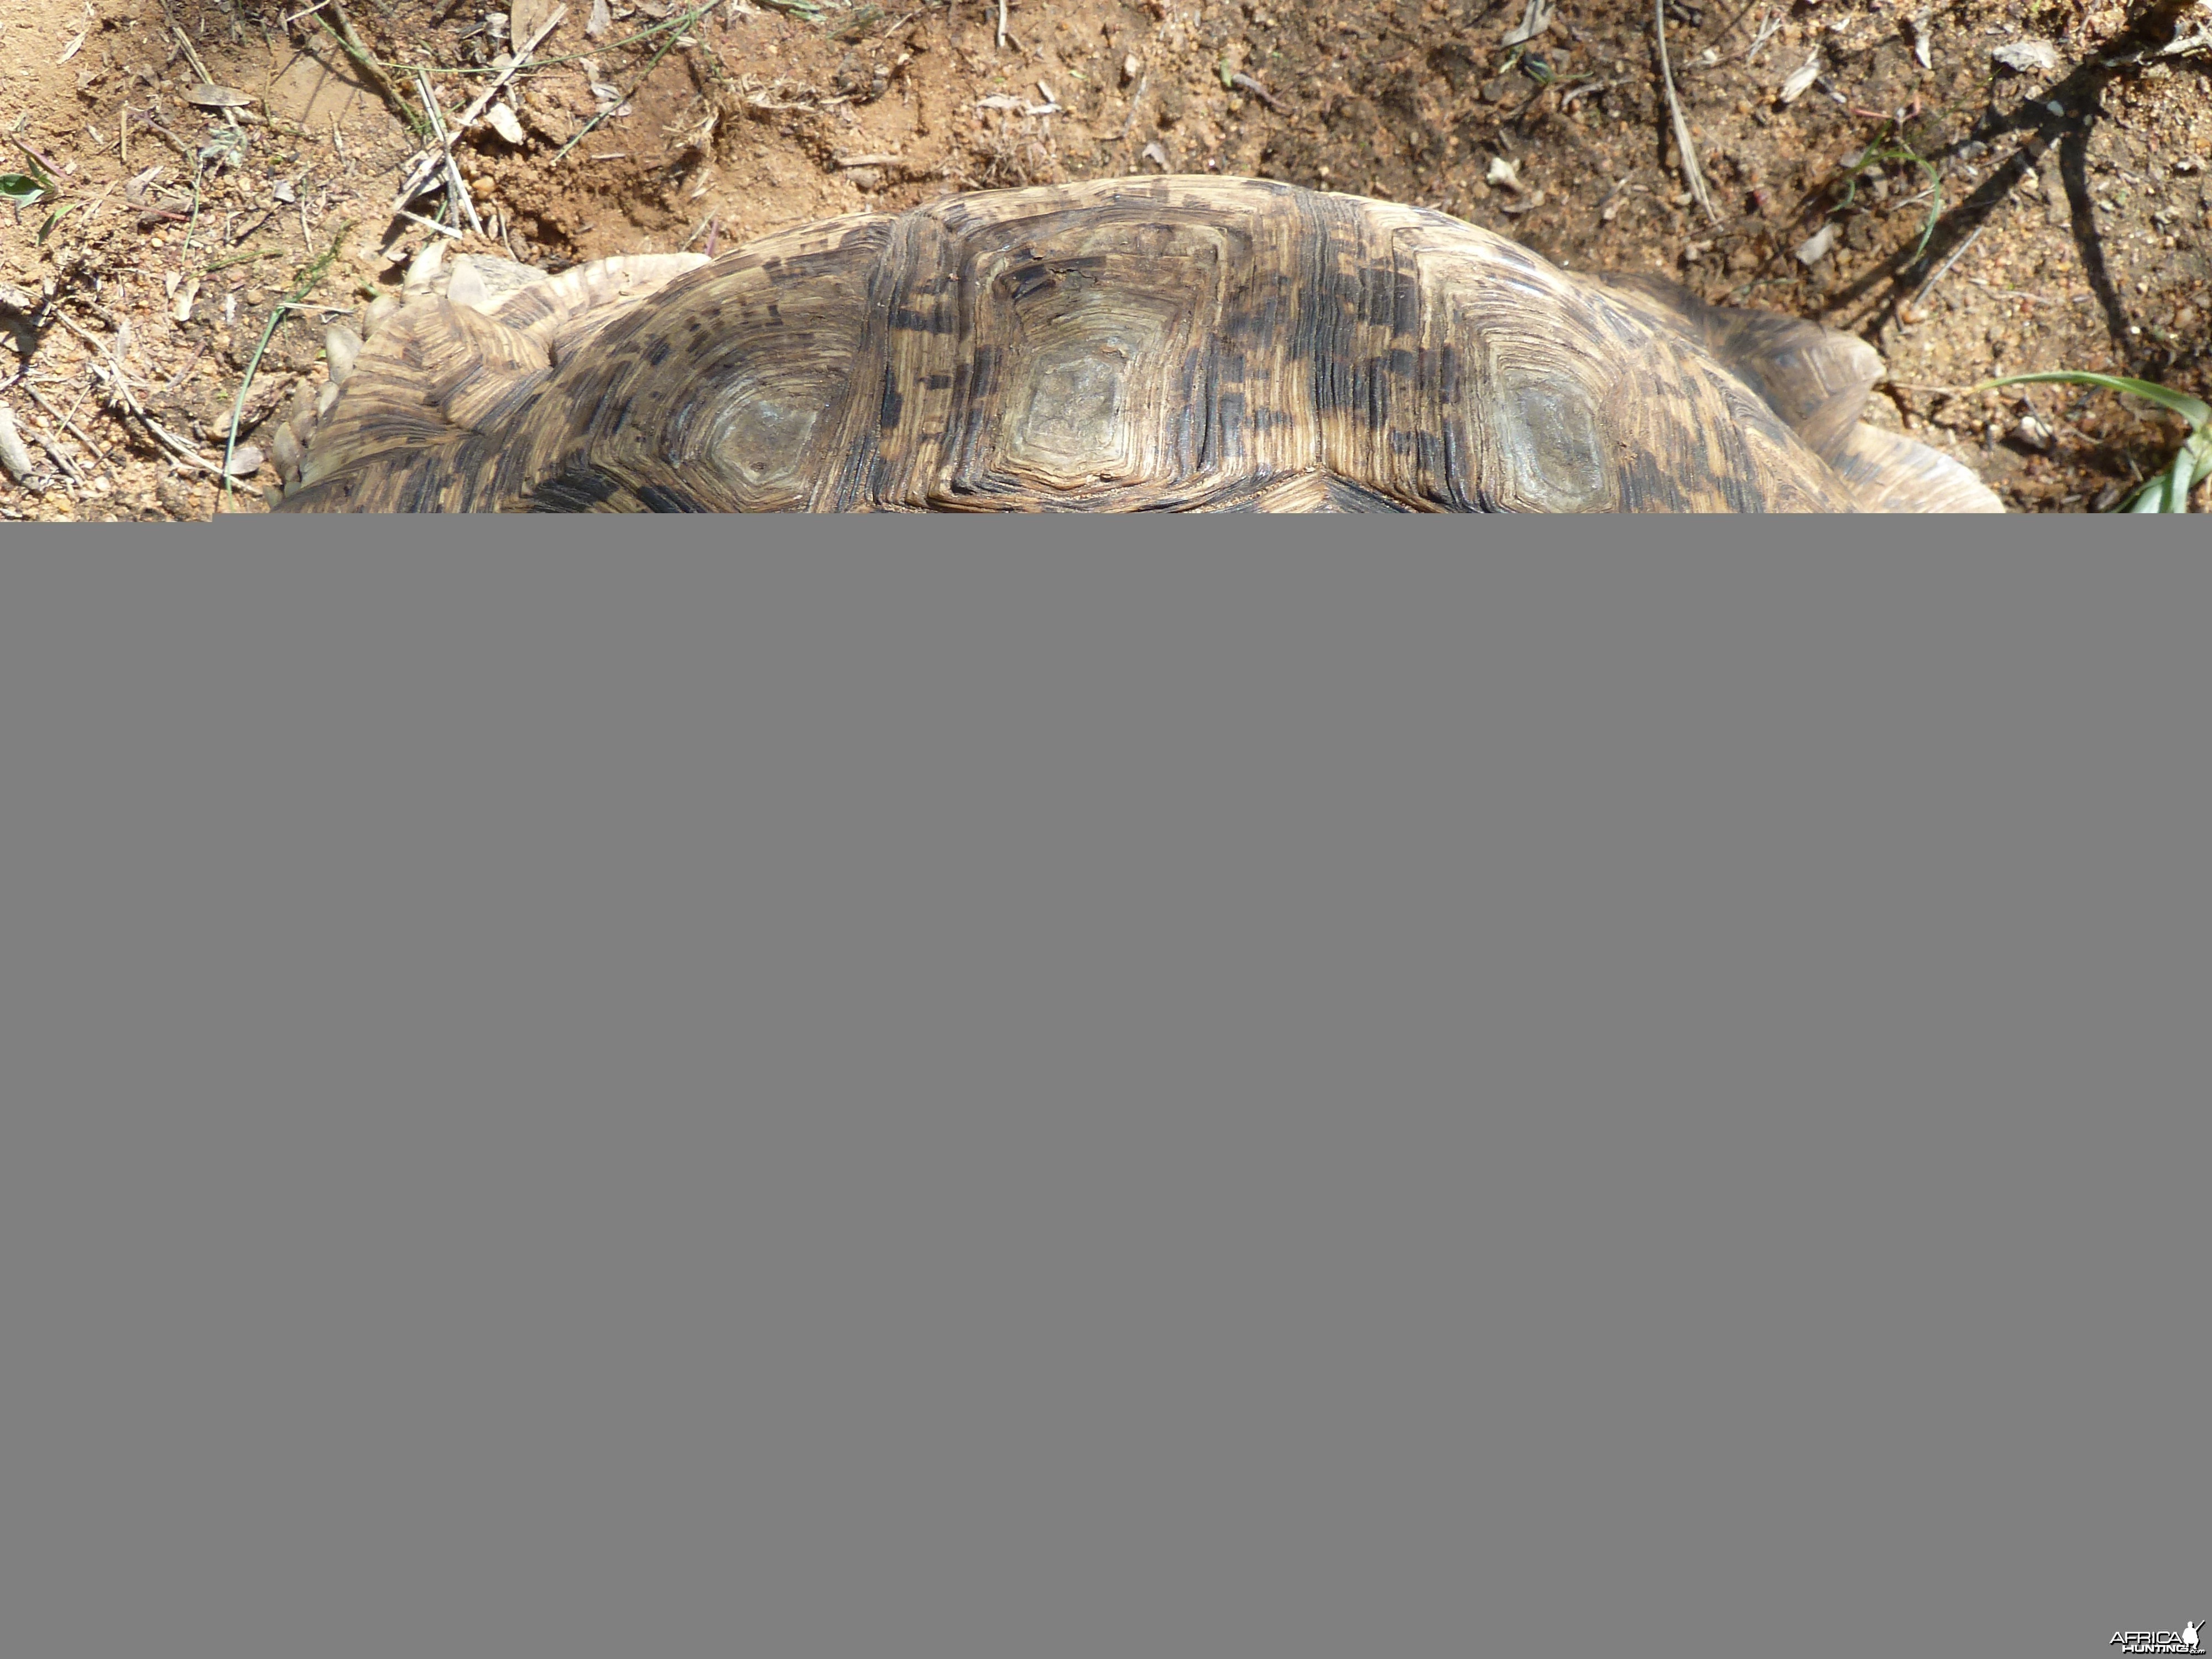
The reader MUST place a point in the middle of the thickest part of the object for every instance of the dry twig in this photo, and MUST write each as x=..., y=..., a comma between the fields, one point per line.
x=1692, y=174
x=457, y=191
x=425, y=166
x=118, y=382
x=185, y=40
x=426, y=224
x=68, y=425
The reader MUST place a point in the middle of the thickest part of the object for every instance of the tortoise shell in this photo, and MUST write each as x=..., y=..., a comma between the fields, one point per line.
x=1168, y=344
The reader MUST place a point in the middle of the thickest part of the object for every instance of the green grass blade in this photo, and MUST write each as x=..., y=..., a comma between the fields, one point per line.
x=2194, y=411
x=2169, y=491
x=2156, y=497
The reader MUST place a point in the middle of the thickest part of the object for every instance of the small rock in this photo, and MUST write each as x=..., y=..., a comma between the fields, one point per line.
x=1814, y=248
x=176, y=497
x=2028, y=57
x=2033, y=433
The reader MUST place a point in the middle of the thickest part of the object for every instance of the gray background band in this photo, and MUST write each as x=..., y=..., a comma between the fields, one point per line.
x=1080, y=1088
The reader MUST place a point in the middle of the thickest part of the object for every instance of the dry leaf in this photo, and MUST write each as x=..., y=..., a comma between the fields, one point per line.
x=1534, y=20
x=601, y=22
x=72, y=49
x=500, y=119
x=1006, y=100
x=2027, y=56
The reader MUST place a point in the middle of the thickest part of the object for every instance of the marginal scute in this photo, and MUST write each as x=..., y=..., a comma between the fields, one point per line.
x=1816, y=379
x=1176, y=343
x=1892, y=473
x=481, y=282
x=424, y=268
x=285, y=448
x=341, y=346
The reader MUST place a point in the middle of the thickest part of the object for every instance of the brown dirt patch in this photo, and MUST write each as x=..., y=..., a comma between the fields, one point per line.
x=2079, y=200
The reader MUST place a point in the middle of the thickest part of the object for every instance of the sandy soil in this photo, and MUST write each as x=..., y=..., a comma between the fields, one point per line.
x=2076, y=199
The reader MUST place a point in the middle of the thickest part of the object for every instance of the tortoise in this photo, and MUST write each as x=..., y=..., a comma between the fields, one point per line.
x=1172, y=342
